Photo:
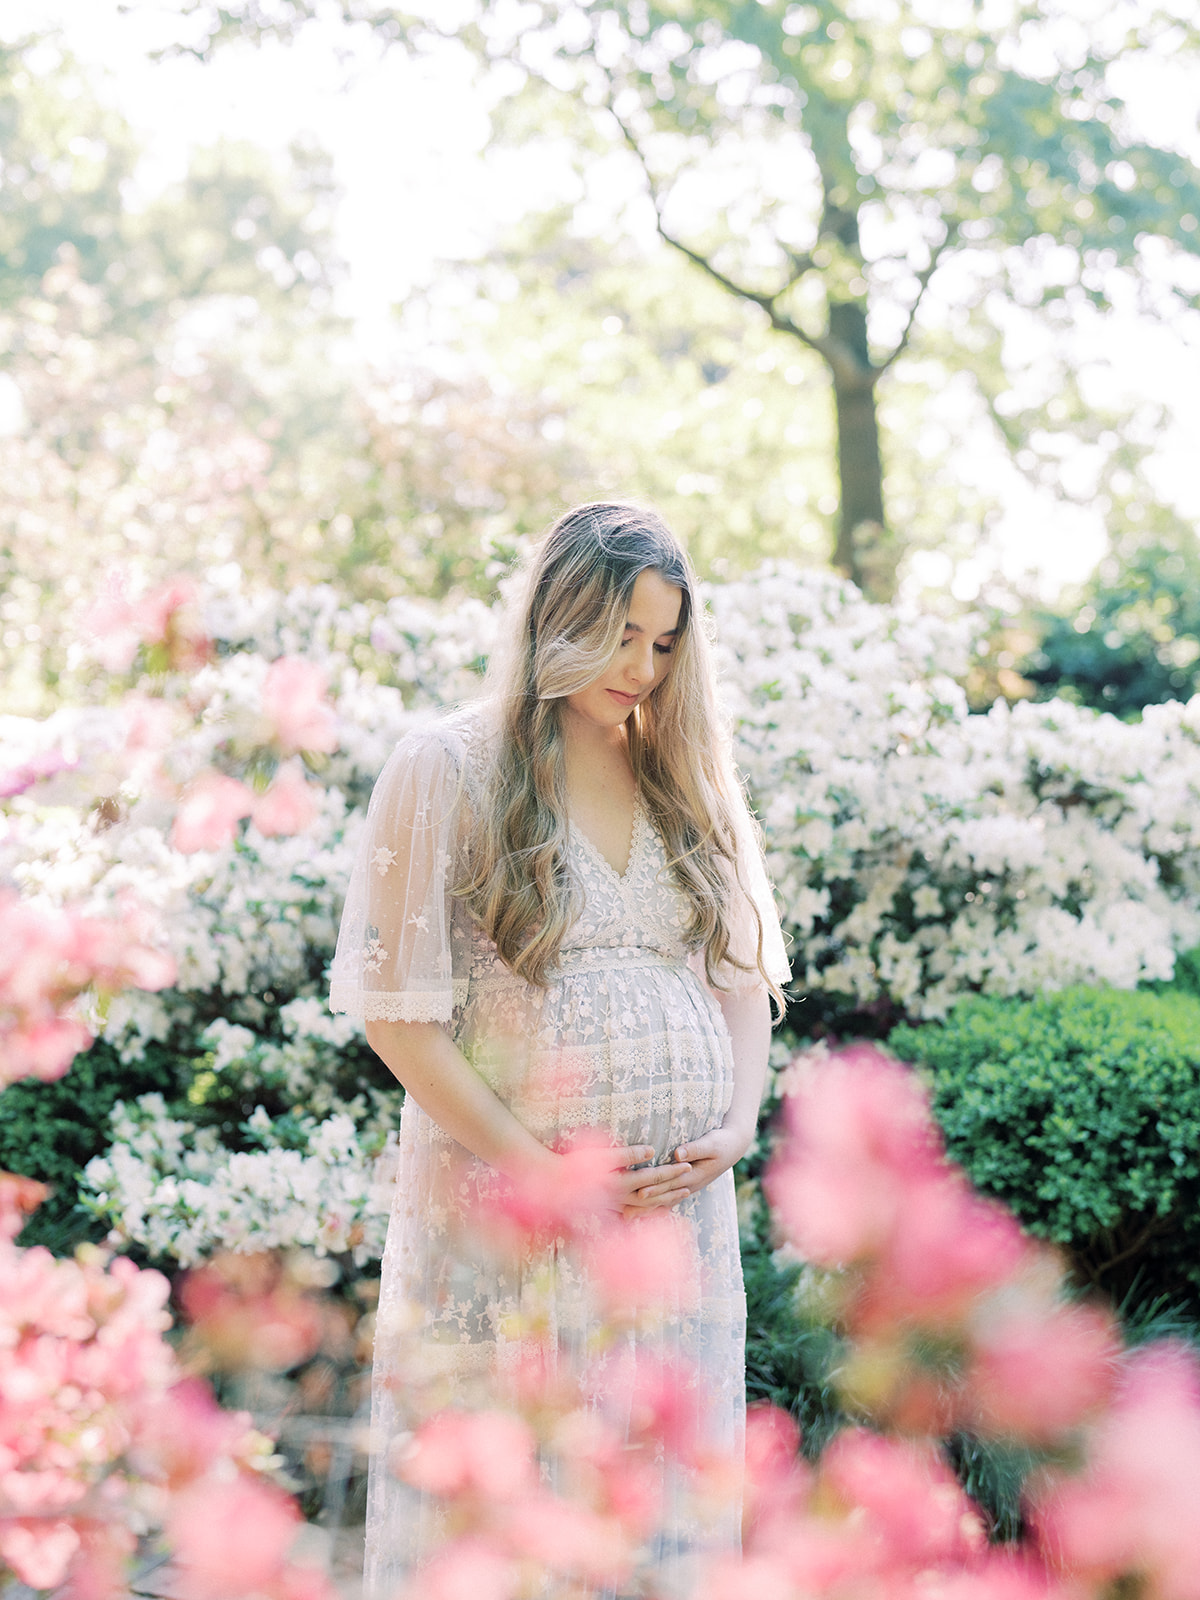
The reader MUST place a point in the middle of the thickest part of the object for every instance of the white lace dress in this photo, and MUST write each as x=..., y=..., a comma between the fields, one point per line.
x=627, y=1039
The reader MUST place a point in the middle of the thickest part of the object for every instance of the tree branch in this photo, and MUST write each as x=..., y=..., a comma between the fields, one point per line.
x=767, y=302
x=922, y=284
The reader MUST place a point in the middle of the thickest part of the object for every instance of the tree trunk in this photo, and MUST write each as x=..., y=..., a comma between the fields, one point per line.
x=864, y=551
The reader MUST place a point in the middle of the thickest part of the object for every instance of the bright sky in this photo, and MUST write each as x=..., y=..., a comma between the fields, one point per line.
x=407, y=143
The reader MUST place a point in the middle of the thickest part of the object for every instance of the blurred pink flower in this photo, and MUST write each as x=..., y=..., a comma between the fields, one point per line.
x=38, y=1551
x=644, y=1264
x=16, y=780
x=563, y=1203
x=246, y=1313
x=778, y=1479
x=489, y=1454
x=568, y=1538
x=48, y=958
x=294, y=704
x=230, y=1538
x=118, y=623
x=1134, y=1512
x=1039, y=1370
x=209, y=812
x=909, y=1501
x=949, y=1246
x=288, y=806
x=859, y=1136
x=470, y=1568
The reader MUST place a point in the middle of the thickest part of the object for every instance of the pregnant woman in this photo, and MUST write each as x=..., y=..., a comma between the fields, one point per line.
x=560, y=925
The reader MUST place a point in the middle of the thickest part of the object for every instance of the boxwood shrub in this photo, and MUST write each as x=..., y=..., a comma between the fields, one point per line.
x=1081, y=1110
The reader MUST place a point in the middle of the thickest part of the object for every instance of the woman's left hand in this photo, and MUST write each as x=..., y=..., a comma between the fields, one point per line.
x=710, y=1155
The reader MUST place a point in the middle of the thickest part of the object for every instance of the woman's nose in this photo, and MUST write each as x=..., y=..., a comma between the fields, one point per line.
x=641, y=665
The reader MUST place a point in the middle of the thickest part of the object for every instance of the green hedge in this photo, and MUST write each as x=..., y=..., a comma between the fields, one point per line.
x=50, y=1131
x=1081, y=1110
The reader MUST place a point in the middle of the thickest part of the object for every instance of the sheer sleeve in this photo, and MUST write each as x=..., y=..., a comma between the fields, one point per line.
x=403, y=951
x=753, y=894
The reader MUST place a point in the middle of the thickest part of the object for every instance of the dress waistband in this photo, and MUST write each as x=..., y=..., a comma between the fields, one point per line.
x=597, y=959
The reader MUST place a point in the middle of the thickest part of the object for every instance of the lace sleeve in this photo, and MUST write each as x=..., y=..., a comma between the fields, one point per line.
x=402, y=954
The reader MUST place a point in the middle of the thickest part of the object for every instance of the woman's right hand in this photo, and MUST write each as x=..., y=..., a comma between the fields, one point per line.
x=636, y=1187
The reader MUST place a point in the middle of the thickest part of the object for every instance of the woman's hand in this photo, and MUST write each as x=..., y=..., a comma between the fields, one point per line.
x=700, y=1162
x=636, y=1187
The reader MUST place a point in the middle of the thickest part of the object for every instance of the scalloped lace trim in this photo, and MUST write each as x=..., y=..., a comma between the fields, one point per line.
x=437, y=1005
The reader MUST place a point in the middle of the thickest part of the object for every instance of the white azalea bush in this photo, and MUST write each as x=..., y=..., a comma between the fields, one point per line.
x=920, y=852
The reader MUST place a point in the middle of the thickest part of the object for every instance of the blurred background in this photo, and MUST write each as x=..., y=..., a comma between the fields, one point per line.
x=336, y=290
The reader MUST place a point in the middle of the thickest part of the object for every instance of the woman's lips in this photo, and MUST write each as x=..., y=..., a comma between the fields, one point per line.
x=623, y=699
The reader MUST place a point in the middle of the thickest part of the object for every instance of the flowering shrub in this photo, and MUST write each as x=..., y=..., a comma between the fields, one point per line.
x=951, y=1318
x=920, y=852
x=103, y=1438
x=1078, y=1109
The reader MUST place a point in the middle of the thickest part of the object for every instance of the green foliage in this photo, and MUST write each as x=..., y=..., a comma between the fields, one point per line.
x=50, y=1131
x=1134, y=638
x=791, y=1350
x=1081, y=1110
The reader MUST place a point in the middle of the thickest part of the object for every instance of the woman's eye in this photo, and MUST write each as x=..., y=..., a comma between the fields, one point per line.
x=665, y=649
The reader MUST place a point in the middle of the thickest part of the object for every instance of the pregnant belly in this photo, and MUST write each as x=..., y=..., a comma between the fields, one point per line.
x=638, y=1053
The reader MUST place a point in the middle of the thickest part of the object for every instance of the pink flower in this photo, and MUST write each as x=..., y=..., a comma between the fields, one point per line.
x=288, y=806
x=568, y=1538
x=294, y=704
x=910, y=1501
x=118, y=624
x=949, y=1246
x=230, y=1538
x=556, y=1203
x=645, y=1264
x=47, y=959
x=39, y=1552
x=778, y=1480
x=470, y=1568
x=18, y=1198
x=859, y=1136
x=1134, y=1509
x=208, y=816
x=1040, y=1370
x=484, y=1453
x=246, y=1314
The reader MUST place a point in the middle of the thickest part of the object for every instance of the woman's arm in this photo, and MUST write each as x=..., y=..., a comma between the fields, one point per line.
x=447, y=1088
x=748, y=1017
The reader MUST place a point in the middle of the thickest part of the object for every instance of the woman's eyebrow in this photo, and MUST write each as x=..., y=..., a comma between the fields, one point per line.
x=667, y=633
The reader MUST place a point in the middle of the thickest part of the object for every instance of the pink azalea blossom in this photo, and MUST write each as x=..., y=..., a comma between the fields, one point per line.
x=247, y=1315
x=859, y=1136
x=485, y=1453
x=39, y=1552
x=568, y=1538
x=911, y=1501
x=288, y=806
x=119, y=623
x=1038, y=1370
x=1134, y=1508
x=295, y=706
x=209, y=813
x=48, y=958
x=471, y=1568
x=645, y=1264
x=231, y=1539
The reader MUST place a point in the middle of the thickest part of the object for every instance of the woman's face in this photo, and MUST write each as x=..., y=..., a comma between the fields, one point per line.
x=643, y=657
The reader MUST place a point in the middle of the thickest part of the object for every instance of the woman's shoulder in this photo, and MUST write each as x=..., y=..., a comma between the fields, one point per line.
x=452, y=741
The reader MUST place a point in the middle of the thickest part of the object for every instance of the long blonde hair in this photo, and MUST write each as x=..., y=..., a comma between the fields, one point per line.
x=566, y=630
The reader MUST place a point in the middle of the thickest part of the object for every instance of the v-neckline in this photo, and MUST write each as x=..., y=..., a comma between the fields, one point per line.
x=634, y=842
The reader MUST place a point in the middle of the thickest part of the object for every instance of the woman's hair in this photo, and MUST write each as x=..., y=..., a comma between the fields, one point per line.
x=567, y=627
